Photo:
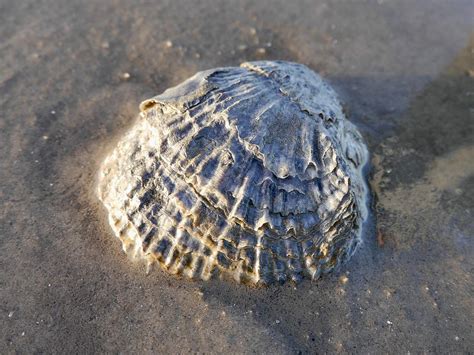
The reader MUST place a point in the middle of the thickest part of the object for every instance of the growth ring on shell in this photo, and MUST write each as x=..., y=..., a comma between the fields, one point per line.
x=249, y=171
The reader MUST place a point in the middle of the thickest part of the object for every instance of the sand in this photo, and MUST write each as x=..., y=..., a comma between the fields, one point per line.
x=71, y=77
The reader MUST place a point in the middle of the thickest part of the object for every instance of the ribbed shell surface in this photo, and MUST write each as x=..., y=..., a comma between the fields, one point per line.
x=249, y=171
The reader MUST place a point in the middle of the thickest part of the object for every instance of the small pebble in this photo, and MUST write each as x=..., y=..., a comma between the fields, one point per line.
x=10, y=314
x=168, y=44
x=45, y=137
x=125, y=76
x=277, y=321
x=253, y=31
x=389, y=323
x=261, y=51
x=105, y=45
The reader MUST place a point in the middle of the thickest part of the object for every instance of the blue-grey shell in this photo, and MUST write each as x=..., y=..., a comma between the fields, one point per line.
x=250, y=171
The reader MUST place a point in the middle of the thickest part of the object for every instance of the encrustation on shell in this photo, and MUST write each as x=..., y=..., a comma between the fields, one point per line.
x=250, y=171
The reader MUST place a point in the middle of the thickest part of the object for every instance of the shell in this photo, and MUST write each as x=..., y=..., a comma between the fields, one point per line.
x=249, y=171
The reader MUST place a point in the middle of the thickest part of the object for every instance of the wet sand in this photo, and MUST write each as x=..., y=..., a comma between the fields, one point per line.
x=71, y=77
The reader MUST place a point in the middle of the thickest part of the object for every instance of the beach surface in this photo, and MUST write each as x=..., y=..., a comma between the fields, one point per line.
x=72, y=74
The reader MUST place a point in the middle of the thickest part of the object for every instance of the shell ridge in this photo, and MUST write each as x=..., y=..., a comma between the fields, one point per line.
x=270, y=232
x=262, y=68
x=280, y=213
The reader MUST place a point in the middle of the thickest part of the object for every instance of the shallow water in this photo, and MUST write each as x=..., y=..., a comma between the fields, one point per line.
x=404, y=71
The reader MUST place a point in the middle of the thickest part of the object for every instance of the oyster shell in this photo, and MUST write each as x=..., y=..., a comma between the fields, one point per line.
x=251, y=171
